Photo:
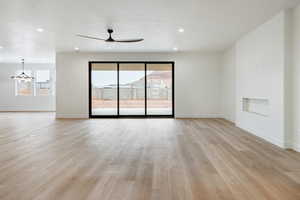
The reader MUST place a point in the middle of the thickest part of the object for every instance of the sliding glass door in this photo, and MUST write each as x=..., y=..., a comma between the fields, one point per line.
x=131, y=89
x=159, y=89
x=104, y=89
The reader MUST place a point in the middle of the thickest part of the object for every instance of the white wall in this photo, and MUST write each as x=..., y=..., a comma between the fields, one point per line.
x=267, y=66
x=296, y=78
x=288, y=81
x=260, y=73
x=10, y=102
x=197, y=81
x=228, y=84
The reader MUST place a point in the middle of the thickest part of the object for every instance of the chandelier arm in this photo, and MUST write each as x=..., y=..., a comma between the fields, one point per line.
x=23, y=75
x=23, y=67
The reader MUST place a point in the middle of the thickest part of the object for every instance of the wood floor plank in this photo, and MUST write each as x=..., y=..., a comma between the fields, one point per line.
x=42, y=158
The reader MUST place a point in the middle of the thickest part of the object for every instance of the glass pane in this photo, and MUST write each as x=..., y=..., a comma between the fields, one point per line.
x=24, y=88
x=132, y=89
x=104, y=89
x=43, y=82
x=159, y=89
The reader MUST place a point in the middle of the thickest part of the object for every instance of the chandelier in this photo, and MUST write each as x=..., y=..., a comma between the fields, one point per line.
x=23, y=76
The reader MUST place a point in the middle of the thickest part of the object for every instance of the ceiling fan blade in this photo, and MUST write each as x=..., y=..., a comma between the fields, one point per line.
x=130, y=40
x=89, y=37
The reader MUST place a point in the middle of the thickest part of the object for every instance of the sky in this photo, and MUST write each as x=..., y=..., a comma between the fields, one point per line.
x=102, y=78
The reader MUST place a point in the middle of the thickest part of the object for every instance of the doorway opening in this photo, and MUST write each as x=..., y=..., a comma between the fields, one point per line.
x=131, y=89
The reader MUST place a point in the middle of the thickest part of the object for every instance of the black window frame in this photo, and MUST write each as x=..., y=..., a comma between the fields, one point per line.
x=118, y=98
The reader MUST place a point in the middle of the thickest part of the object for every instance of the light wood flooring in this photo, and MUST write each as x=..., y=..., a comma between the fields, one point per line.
x=140, y=159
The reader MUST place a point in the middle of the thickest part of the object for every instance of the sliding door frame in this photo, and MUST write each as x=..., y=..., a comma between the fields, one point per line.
x=118, y=90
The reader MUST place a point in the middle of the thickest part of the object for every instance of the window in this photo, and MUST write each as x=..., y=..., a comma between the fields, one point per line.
x=42, y=83
x=24, y=88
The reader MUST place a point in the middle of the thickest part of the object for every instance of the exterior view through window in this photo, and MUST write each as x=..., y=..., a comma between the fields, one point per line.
x=24, y=88
x=159, y=89
x=104, y=89
x=131, y=89
x=42, y=85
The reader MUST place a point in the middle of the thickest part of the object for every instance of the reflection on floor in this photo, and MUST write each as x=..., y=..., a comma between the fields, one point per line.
x=132, y=111
x=140, y=159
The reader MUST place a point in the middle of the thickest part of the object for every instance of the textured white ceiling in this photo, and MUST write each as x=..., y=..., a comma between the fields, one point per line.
x=210, y=25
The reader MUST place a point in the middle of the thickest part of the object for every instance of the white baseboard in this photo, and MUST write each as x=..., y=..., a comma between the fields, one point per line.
x=198, y=116
x=228, y=119
x=288, y=145
x=265, y=136
x=294, y=145
x=24, y=109
x=296, y=148
x=84, y=116
x=72, y=116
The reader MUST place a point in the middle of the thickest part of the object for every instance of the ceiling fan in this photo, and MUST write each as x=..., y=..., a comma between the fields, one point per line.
x=110, y=39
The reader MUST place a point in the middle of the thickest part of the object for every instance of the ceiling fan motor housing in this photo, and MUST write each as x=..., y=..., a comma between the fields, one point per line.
x=110, y=39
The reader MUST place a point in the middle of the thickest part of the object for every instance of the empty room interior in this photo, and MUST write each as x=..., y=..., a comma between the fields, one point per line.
x=150, y=100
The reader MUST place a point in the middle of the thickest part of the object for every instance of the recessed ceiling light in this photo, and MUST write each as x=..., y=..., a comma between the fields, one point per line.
x=180, y=30
x=40, y=30
x=76, y=49
x=175, y=49
x=1, y=47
